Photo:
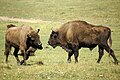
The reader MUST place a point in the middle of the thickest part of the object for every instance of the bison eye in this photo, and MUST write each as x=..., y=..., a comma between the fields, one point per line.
x=51, y=35
x=55, y=36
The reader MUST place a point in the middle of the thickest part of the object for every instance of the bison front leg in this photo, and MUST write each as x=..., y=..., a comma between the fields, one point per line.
x=24, y=57
x=69, y=56
x=27, y=54
x=76, y=56
x=75, y=51
x=67, y=49
x=70, y=52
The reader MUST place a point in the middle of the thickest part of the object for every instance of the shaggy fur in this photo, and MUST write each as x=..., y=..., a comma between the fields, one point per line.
x=21, y=38
x=73, y=35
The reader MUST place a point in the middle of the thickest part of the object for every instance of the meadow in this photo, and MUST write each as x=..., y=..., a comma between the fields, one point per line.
x=55, y=13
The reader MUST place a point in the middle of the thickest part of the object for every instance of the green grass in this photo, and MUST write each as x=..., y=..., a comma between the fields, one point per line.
x=101, y=12
x=60, y=9
x=55, y=65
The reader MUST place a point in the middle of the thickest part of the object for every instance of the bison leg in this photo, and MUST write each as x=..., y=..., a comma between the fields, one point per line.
x=27, y=55
x=75, y=49
x=24, y=57
x=16, y=54
x=70, y=52
x=76, y=56
x=101, y=53
x=69, y=56
x=66, y=49
x=7, y=51
x=111, y=52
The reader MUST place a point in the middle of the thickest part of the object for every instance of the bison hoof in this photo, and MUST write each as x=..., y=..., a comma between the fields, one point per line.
x=76, y=61
x=116, y=62
x=22, y=62
x=18, y=63
x=69, y=61
x=98, y=61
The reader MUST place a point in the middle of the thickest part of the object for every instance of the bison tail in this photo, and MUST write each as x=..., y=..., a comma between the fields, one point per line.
x=10, y=25
x=110, y=40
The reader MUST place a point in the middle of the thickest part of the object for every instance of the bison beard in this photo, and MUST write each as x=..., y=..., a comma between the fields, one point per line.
x=22, y=38
x=74, y=35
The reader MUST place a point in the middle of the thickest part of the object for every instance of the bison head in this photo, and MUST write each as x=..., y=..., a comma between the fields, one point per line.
x=33, y=39
x=54, y=39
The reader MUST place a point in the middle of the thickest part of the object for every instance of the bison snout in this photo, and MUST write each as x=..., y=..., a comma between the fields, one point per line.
x=40, y=46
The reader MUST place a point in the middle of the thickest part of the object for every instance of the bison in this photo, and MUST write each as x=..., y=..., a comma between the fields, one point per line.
x=21, y=38
x=74, y=35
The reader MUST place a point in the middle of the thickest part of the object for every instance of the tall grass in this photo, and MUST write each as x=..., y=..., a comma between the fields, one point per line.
x=60, y=9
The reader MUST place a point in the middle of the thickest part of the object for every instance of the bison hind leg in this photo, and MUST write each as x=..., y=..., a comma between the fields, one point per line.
x=7, y=51
x=111, y=52
x=16, y=55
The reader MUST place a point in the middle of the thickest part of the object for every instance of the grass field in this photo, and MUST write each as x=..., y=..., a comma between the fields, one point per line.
x=100, y=12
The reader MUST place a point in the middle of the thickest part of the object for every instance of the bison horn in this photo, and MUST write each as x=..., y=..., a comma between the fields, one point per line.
x=54, y=29
x=29, y=36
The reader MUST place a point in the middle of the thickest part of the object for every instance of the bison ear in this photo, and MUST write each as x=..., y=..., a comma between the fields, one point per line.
x=38, y=30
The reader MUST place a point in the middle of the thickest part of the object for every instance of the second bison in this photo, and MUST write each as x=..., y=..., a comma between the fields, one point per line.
x=21, y=38
x=74, y=35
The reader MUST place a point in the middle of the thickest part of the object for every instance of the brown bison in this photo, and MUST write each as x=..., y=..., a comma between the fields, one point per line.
x=21, y=38
x=74, y=35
